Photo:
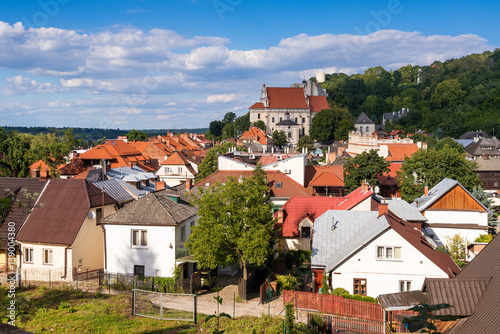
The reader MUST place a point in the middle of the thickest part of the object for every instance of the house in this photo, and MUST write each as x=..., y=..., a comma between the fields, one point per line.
x=255, y=137
x=364, y=125
x=388, y=116
x=291, y=129
x=372, y=253
x=62, y=236
x=24, y=193
x=40, y=169
x=134, y=180
x=295, y=219
x=451, y=209
x=483, y=147
x=177, y=169
x=147, y=236
x=488, y=171
x=325, y=180
x=158, y=152
x=301, y=102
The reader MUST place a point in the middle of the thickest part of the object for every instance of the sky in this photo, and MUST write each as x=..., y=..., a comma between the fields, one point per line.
x=161, y=64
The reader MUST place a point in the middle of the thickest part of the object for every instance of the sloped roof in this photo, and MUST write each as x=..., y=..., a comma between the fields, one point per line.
x=121, y=172
x=287, y=122
x=255, y=133
x=461, y=294
x=354, y=198
x=115, y=190
x=41, y=165
x=402, y=300
x=21, y=204
x=398, y=152
x=153, y=209
x=257, y=105
x=286, y=98
x=363, y=119
x=314, y=172
x=440, y=190
x=484, y=147
x=176, y=158
x=289, y=187
x=326, y=179
x=405, y=211
x=488, y=164
x=318, y=103
x=65, y=207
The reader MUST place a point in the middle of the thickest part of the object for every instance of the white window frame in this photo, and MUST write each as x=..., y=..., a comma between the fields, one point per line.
x=28, y=255
x=179, y=170
x=404, y=285
x=50, y=259
x=389, y=253
x=140, y=238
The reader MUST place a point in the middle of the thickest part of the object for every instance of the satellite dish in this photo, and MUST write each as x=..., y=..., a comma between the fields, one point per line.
x=91, y=215
x=377, y=190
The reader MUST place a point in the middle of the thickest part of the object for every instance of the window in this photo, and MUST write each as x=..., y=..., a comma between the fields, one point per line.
x=279, y=185
x=359, y=286
x=272, y=119
x=47, y=256
x=404, y=286
x=305, y=232
x=139, y=238
x=98, y=213
x=281, y=119
x=183, y=233
x=289, y=135
x=139, y=271
x=168, y=170
x=303, y=120
x=28, y=255
x=258, y=116
x=179, y=170
x=388, y=253
x=296, y=119
x=367, y=129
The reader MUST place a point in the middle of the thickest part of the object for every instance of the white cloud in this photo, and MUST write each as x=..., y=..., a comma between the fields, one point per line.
x=221, y=98
x=20, y=85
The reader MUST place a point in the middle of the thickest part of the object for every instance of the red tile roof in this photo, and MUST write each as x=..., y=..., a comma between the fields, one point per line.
x=286, y=98
x=324, y=176
x=176, y=159
x=397, y=152
x=255, y=134
x=354, y=198
x=289, y=187
x=394, y=169
x=65, y=207
x=257, y=105
x=318, y=103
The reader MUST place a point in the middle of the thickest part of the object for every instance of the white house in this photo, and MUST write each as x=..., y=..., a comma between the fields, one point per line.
x=62, y=236
x=451, y=209
x=372, y=253
x=177, y=169
x=146, y=237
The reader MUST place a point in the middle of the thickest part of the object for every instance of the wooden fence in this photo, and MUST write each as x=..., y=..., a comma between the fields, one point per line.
x=338, y=305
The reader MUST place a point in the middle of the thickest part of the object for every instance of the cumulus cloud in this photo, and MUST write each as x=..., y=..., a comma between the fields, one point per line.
x=221, y=98
x=20, y=85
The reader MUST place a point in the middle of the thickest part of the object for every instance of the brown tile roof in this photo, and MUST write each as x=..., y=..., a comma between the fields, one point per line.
x=334, y=172
x=65, y=207
x=289, y=187
x=286, y=98
x=461, y=294
x=18, y=214
x=318, y=103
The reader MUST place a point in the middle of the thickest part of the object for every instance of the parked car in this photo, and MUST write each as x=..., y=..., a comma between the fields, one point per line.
x=208, y=279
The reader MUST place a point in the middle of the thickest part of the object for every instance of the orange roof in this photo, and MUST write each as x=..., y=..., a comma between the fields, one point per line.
x=84, y=174
x=286, y=98
x=318, y=103
x=141, y=146
x=280, y=185
x=333, y=176
x=394, y=169
x=397, y=152
x=257, y=105
x=41, y=165
x=255, y=133
x=326, y=179
x=176, y=159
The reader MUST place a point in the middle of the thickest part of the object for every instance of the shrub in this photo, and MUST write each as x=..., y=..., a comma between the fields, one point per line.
x=296, y=257
x=289, y=282
x=357, y=297
x=339, y=291
x=368, y=299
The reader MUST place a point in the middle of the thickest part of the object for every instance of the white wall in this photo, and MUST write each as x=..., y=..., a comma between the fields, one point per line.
x=37, y=271
x=383, y=276
x=296, y=165
x=456, y=217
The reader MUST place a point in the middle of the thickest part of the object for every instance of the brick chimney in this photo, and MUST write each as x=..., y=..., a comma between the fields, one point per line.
x=189, y=184
x=365, y=186
x=383, y=208
x=426, y=191
x=160, y=185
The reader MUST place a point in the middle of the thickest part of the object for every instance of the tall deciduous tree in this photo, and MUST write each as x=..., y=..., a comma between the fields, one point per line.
x=365, y=166
x=209, y=164
x=235, y=224
x=260, y=124
x=427, y=167
x=279, y=138
x=305, y=142
x=137, y=135
x=330, y=124
x=51, y=149
x=17, y=159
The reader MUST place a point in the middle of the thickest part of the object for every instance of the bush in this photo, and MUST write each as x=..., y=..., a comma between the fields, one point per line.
x=368, y=299
x=296, y=257
x=289, y=282
x=339, y=291
x=357, y=297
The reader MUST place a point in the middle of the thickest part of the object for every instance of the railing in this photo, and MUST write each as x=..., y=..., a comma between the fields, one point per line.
x=182, y=252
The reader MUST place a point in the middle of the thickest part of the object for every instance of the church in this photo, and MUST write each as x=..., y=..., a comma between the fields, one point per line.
x=289, y=109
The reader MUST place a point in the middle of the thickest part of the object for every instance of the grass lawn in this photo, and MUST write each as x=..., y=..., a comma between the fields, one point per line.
x=69, y=311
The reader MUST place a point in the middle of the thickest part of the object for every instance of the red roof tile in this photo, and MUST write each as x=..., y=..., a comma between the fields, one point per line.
x=397, y=152
x=176, y=159
x=286, y=98
x=255, y=134
x=333, y=176
x=354, y=198
x=257, y=105
x=318, y=103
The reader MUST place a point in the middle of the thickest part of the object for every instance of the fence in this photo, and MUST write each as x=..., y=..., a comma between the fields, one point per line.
x=160, y=305
x=338, y=305
x=125, y=283
x=53, y=278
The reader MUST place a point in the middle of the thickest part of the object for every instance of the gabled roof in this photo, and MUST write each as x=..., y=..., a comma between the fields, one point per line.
x=65, y=207
x=115, y=190
x=286, y=98
x=398, y=152
x=153, y=209
x=363, y=119
x=406, y=211
x=492, y=164
x=334, y=175
x=257, y=105
x=354, y=198
x=318, y=103
x=21, y=204
x=176, y=159
x=255, y=133
x=484, y=147
x=121, y=172
x=438, y=191
x=281, y=186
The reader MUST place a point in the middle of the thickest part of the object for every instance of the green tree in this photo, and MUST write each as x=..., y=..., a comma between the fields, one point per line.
x=305, y=142
x=137, y=135
x=69, y=139
x=448, y=93
x=427, y=167
x=209, y=164
x=486, y=238
x=17, y=159
x=279, y=138
x=330, y=124
x=427, y=317
x=365, y=166
x=215, y=128
x=456, y=248
x=51, y=150
x=229, y=118
x=235, y=225
x=229, y=131
x=483, y=197
x=242, y=123
x=260, y=124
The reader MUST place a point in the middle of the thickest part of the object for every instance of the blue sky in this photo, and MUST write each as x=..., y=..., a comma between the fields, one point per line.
x=181, y=64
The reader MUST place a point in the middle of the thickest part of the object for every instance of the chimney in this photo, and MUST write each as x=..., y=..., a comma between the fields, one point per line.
x=189, y=184
x=160, y=185
x=383, y=208
x=426, y=191
x=365, y=186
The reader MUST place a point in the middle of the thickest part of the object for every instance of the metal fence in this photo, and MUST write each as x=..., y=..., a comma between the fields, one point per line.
x=164, y=306
x=125, y=283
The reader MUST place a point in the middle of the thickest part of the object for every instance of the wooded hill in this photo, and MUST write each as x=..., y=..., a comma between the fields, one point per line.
x=445, y=98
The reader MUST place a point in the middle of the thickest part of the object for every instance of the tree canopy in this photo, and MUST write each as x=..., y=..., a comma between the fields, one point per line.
x=330, y=124
x=305, y=142
x=209, y=164
x=235, y=225
x=137, y=135
x=279, y=138
x=365, y=166
x=427, y=167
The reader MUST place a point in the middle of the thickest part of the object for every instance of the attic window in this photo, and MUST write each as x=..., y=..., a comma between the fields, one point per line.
x=279, y=185
x=207, y=184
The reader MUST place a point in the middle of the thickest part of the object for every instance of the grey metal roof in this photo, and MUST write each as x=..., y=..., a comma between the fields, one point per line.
x=363, y=119
x=438, y=191
x=405, y=211
x=153, y=209
x=134, y=190
x=402, y=300
x=337, y=234
x=287, y=122
x=115, y=190
x=121, y=173
x=464, y=142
